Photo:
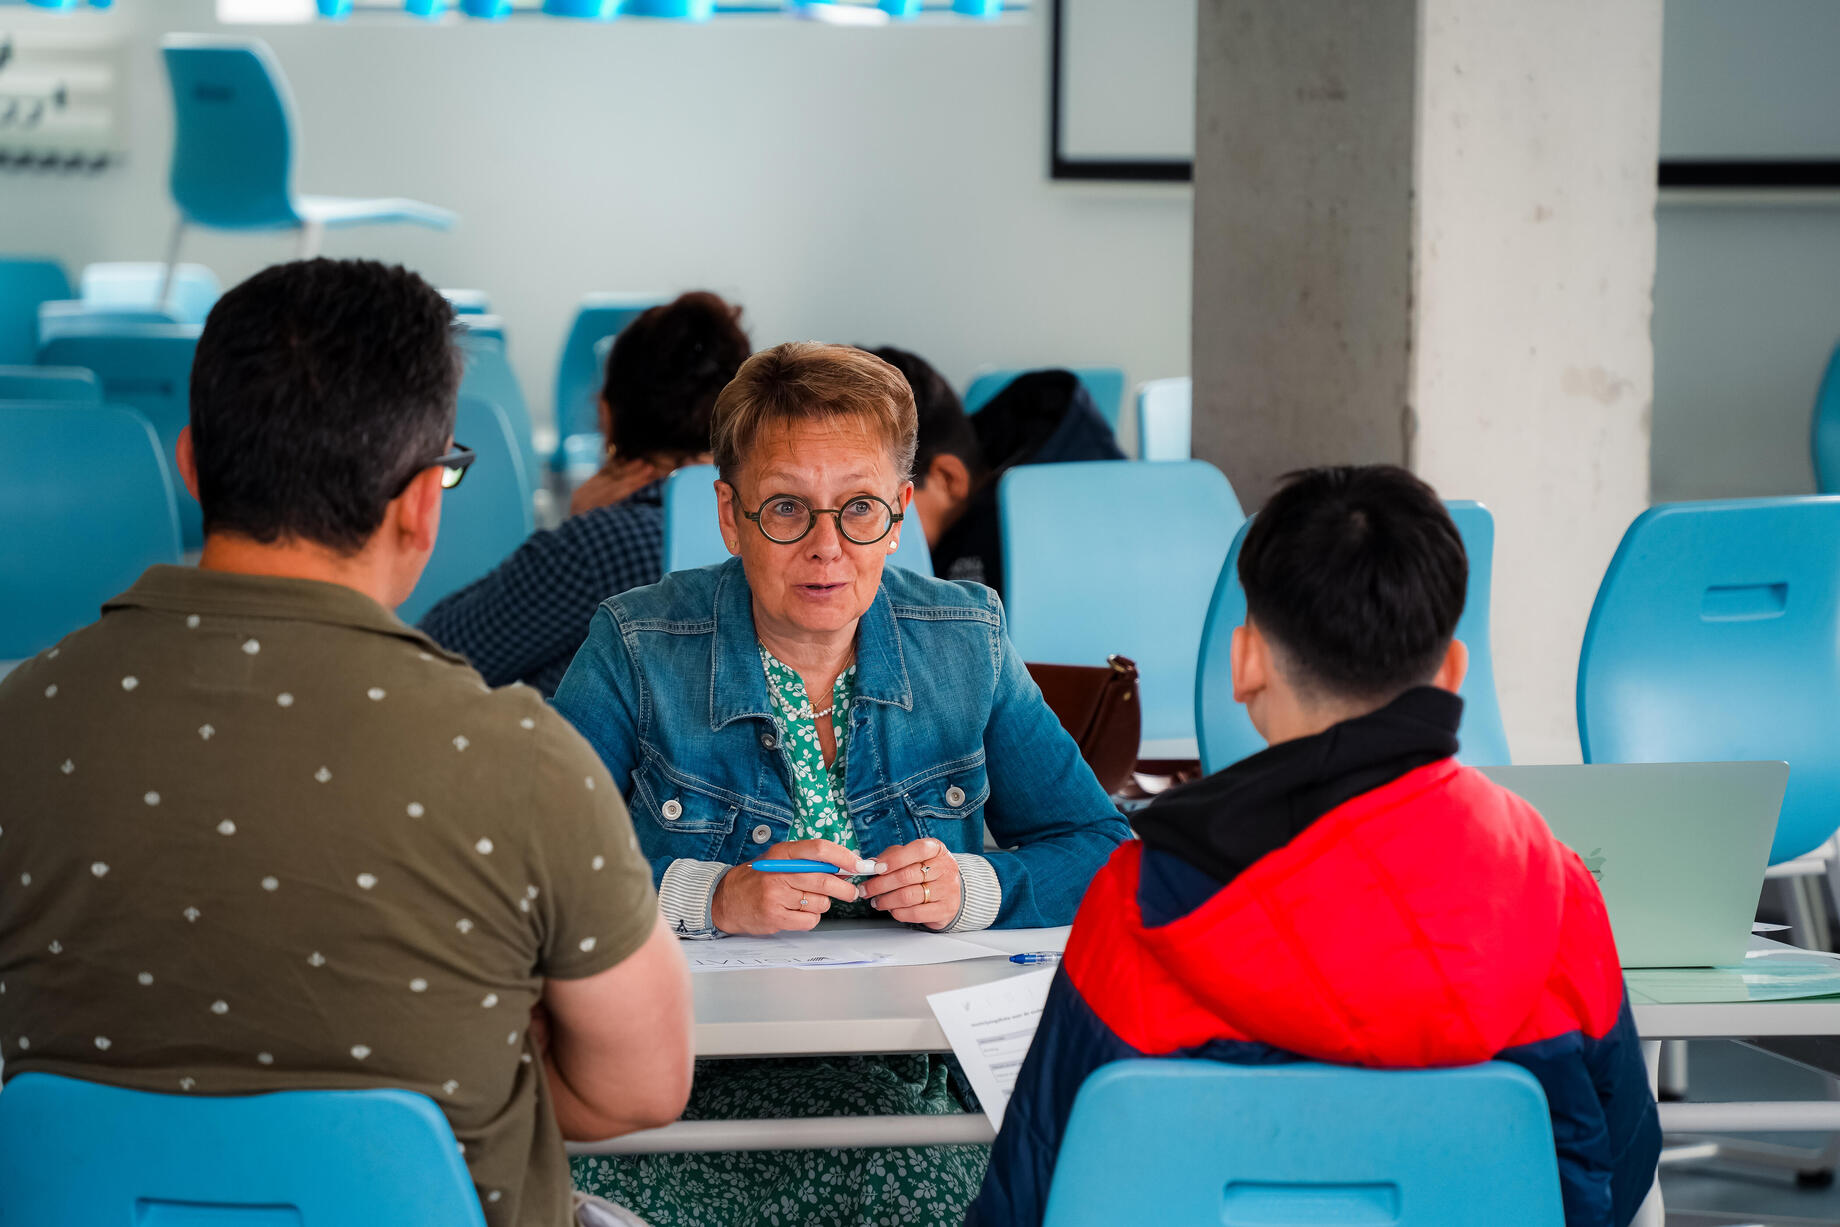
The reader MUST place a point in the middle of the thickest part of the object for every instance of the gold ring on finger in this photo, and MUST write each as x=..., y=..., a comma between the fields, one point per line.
x=926, y=894
x=802, y=903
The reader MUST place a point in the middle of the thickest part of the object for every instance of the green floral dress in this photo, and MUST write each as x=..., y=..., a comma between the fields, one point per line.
x=911, y=1186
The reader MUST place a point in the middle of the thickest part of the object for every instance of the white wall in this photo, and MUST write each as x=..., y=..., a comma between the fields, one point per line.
x=880, y=185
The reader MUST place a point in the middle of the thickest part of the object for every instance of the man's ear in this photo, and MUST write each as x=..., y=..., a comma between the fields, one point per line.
x=1455, y=668
x=418, y=511
x=726, y=516
x=950, y=475
x=187, y=461
x=1250, y=659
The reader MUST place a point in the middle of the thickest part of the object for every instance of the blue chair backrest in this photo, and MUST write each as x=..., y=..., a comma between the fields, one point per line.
x=1827, y=429
x=148, y=367
x=72, y=383
x=1716, y=637
x=469, y=302
x=1227, y=734
x=1199, y=1142
x=136, y=284
x=578, y=376
x=693, y=532
x=489, y=377
x=233, y=145
x=26, y=282
x=1105, y=384
x=81, y=1154
x=1165, y=409
x=1118, y=556
x=482, y=520
x=86, y=505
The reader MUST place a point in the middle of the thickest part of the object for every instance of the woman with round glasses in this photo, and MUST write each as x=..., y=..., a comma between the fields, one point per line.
x=804, y=700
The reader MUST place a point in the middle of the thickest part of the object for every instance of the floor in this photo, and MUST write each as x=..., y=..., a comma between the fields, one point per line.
x=1724, y=1196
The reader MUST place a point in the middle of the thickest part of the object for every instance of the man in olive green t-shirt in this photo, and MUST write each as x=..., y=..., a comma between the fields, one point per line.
x=260, y=835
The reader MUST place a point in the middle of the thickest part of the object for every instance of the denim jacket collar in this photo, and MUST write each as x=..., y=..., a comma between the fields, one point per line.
x=737, y=685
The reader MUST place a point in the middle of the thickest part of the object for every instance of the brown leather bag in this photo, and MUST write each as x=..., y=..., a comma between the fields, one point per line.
x=1100, y=708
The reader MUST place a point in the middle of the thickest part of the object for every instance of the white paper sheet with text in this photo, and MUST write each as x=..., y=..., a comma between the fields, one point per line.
x=885, y=945
x=990, y=1027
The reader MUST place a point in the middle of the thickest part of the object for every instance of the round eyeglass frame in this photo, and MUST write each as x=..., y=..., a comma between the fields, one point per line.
x=894, y=518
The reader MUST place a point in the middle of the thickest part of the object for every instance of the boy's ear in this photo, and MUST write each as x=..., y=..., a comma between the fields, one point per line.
x=1250, y=661
x=951, y=475
x=1455, y=668
x=186, y=460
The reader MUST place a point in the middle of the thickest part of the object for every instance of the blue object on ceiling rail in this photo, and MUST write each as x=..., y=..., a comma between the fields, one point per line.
x=592, y=10
x=335, y=9
x=431, y=9
x=490, y=10
x=978, y=8
x=901, y=9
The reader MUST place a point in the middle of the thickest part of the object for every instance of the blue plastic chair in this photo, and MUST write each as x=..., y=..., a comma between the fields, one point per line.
x=81, y=1154
x=468, y=302
x=1105, y=384
x=233, y=149
x=147, y=367
x=1165, y=408
x=86, y=505
x=693, y=528
x=1716, y=637
x=489, y=377
x=194, y=289
x=482, y=520
x=1226, y=733
x=1118, y=556
x=1193, y=1143
x=1827, y=429
x=578, y=375
x=50, y=383
x=25, y=282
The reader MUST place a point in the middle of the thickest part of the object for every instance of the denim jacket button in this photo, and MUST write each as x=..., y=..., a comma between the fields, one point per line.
x=955, y=796
x=762, y=833
x=768, y=740
x=672, y=810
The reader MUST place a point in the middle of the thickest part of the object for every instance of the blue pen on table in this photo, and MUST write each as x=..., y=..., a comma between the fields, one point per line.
x=1037, y=956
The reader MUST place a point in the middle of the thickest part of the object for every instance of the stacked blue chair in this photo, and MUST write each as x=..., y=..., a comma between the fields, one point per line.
x=1716, y=637
x=1106, y=557
x=1105, y=384
x=25, y=282
x=86, y=505
x=1226, y=733
x=578, y=374
x=1827, y=429
x=145, y=366
x=1165, y=408
x=489, y=377
x=50, y=383
x=190, y=293
x=484, y=518
x=80, y=1154
x=65, y=317
x=1188, y=1143
x=233, y=150
x=693, y=529
x=468, y=302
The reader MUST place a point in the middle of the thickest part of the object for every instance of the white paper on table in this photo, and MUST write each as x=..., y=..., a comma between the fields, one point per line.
x=1018, y=941
x=990, y=1027
x=855, y=946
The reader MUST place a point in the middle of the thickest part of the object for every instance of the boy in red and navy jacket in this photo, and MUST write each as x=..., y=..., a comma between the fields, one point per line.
x=1351, y=894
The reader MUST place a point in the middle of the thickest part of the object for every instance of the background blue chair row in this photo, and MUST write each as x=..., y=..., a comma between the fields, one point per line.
x=693, y=533
x=41, y=383
x=578, y=373
x=1112, y=556
x=484, y=518
x=80, y=1154
x=489, y=377
x=1188, y=1143
x=1226, y=733
x=1827, y=428
x=86, y=497
x=1105, y=384
x=1164, y=419
x=188, y=298
x=147, y=366
x=25, y=282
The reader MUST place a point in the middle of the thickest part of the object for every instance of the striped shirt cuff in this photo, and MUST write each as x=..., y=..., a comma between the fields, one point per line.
x=981, y=894
x=686, y=895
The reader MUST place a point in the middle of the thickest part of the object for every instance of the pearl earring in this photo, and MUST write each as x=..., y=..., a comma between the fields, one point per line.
x=892, y=545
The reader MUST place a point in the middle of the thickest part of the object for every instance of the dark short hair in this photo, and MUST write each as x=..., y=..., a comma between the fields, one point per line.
x=944, y=429
x=665, y=370
x=1357, y=575
x=319, y=388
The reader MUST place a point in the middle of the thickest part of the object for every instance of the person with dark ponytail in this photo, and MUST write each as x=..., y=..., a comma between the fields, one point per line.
x=524, y=620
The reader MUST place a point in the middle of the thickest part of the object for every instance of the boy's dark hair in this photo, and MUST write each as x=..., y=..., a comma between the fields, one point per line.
x=944, y=428
x=664, y=372
x=1357, y=575
x=319, y=388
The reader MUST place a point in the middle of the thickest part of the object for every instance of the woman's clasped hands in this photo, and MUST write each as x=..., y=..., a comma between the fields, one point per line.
x=916, y=883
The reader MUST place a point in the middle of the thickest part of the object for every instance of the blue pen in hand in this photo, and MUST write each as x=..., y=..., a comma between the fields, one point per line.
x=1037, y=956
x=791, y=866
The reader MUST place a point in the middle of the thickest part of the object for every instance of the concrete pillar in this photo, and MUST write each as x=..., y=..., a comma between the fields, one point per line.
x=1424, y=234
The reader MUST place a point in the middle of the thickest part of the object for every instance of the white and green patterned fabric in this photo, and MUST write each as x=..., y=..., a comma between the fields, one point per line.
x=819, y=807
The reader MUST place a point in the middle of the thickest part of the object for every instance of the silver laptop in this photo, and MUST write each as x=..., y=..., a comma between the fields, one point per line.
x=1679, y=848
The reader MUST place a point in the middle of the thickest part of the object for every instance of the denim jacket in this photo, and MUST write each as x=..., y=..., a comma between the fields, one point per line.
x=948, y=733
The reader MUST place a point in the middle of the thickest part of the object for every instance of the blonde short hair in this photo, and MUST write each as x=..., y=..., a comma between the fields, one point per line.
x=803, y=381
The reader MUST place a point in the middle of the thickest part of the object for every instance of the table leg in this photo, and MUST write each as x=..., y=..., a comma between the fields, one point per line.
x=1652, y=1214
